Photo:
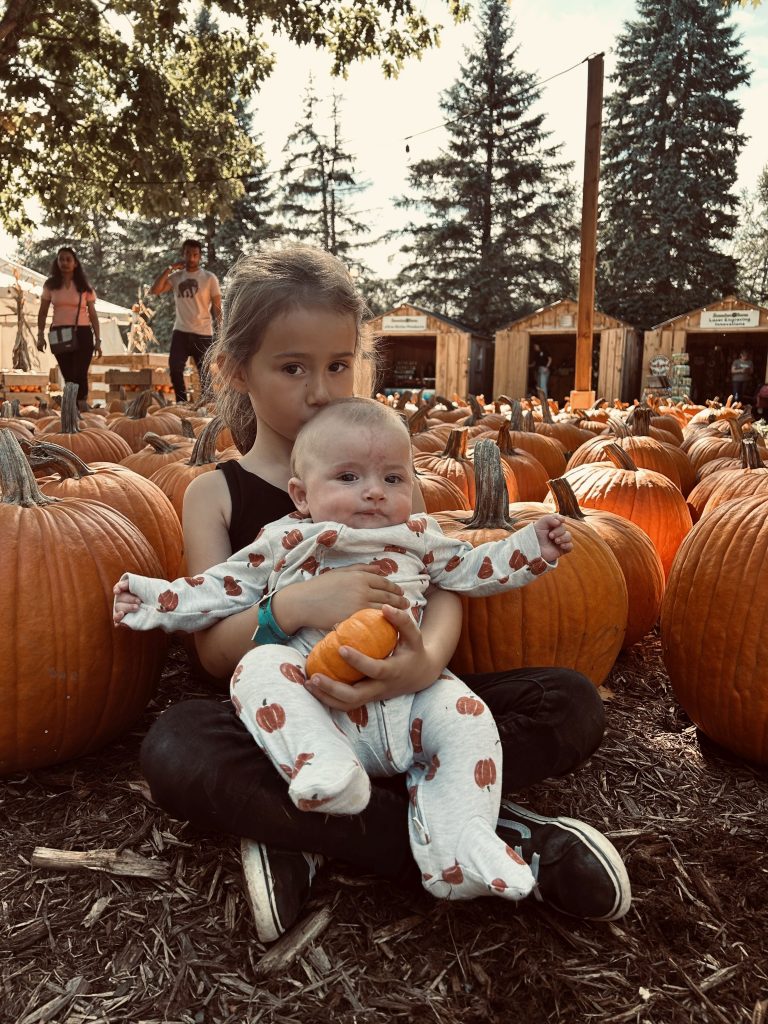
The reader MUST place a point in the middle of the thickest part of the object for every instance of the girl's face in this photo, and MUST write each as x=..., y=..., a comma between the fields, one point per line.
x=306, y=359
x=67, y=262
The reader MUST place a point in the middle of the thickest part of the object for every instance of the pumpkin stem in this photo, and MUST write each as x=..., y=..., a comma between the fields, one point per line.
x=456, y=446
x=6, y=411
x=161, y=446
x=417, y=424
x=17, y=483
x=204, y=452
x=566, y=501
x=620, y=458
x=442, y=400
x=491, y=496
x=504, y=441
x=62, y=460
x=403, y=399
x=640, y=419
x=69, y=410
x=750, y=455
x=516, y=415
x=617, y=425
x=529, y=423
x=137, y=409
x=477, y=412
x=546, y=412
x=186, y=429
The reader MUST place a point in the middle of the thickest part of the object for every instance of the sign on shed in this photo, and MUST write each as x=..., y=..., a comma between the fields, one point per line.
x=735, y=319
x=400, y=322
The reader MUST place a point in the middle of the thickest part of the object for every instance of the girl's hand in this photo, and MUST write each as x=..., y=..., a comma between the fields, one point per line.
x=554, y=537
x=408, y=670
x=333, y=596
x=125, y=602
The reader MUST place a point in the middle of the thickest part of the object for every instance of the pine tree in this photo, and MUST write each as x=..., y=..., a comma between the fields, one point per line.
x=318, y=179
x=486, y=244
x=670, y=146
x=750, y=243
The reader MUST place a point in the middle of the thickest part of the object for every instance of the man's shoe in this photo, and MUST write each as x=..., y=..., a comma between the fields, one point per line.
x=277, y=884
x=578, y=871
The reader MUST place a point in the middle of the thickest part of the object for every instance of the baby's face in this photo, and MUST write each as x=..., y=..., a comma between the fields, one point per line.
x=363, y=480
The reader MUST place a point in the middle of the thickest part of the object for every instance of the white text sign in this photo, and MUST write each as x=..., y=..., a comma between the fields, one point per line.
x=730, y=318
x=404, y=323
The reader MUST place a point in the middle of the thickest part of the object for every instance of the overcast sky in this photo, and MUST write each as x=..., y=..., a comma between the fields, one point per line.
x=378, y=114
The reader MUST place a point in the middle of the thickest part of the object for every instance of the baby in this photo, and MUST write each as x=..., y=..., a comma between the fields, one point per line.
x=352, y=486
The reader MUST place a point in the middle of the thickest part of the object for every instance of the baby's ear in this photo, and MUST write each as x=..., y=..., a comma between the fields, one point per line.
x=298, y=493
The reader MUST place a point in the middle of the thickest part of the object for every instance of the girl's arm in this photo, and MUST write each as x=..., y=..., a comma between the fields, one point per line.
x=42, y=316
x=93, y=316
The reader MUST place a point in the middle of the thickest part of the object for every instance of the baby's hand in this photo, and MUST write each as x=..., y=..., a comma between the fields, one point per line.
x=554, y=537
x=125, y=602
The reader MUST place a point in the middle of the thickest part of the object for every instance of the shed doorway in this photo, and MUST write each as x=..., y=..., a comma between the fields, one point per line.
x=710, y=355
x=407, y=361
x=562, y=348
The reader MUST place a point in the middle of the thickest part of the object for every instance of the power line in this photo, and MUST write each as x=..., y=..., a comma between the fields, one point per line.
x=477, y=110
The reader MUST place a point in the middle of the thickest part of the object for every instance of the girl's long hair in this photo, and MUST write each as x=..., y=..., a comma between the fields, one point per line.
x=260, y=287
x=56, y=281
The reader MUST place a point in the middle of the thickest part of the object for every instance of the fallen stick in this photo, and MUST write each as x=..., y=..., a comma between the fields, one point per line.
x=285, y=951
x=109, y=861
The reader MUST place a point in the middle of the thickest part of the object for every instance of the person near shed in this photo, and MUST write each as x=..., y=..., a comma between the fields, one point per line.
x=74, y=305
x=761, y=402
x=197, y=296
x=741, y=374
x=542, y=362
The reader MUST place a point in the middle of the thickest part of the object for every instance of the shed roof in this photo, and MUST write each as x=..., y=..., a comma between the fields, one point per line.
x=566, y=301
x=727, y=302
x=438, y=316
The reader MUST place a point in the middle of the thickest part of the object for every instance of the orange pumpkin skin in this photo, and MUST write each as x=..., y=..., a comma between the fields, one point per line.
x=71, y=682
x=366, y=631
x=574, y=617
x=648, y=499
x=714, y=622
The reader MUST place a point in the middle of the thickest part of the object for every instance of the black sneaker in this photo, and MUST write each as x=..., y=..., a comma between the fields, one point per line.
x=277, y=884
x=577, y=870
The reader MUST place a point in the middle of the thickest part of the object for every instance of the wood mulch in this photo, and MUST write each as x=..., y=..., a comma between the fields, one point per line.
x=93, y=946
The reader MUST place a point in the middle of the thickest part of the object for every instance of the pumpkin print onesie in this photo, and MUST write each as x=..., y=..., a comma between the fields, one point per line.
x=444, y=737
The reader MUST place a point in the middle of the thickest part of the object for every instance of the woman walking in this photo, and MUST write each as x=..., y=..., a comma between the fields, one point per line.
x=74, y=306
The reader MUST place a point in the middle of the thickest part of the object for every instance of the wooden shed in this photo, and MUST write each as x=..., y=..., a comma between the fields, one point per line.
x=422, y=349
x=713, y=337
x=616, y=353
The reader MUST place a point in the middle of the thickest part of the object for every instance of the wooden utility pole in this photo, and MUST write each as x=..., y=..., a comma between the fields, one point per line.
x=583, y=396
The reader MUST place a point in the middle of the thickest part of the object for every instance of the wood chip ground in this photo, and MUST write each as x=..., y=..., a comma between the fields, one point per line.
x=89, y=946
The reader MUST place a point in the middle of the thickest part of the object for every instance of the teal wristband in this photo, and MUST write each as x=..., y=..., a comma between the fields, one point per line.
x=268, y=631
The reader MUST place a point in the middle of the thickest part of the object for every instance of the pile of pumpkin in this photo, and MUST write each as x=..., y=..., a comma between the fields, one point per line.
x=86, y=497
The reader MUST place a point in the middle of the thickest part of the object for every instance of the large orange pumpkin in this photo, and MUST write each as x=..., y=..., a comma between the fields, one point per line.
x=714, y=624
x=91, y=444
x=751, y=477
x=648, y=499
x=366, y=631
x=134, y=424
x=138, y=499
x=642, y=568
x=574, y=617
x=70, y=681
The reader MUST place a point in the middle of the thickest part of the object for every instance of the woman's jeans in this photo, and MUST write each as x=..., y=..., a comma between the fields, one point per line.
x=203, y=766
x=74, y=365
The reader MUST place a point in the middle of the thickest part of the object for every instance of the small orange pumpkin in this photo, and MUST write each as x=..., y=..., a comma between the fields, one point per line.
x=366, y=631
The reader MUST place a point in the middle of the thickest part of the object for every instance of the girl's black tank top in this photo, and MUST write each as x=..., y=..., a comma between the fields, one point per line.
x=254, y=503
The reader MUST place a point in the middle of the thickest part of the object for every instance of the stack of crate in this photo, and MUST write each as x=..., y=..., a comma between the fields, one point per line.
x=28, y=387
x=124, y=376
x=679, y=376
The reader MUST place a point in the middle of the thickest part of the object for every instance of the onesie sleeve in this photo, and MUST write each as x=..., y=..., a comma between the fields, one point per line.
x=489, y=568
x=193, y=603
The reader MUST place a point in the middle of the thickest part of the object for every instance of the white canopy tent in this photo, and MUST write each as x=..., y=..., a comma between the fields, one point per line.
x=13, y=276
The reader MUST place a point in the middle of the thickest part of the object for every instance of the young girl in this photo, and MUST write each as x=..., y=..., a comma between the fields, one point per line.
x=74, y=304
x=357, y=488
x=290, y=342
